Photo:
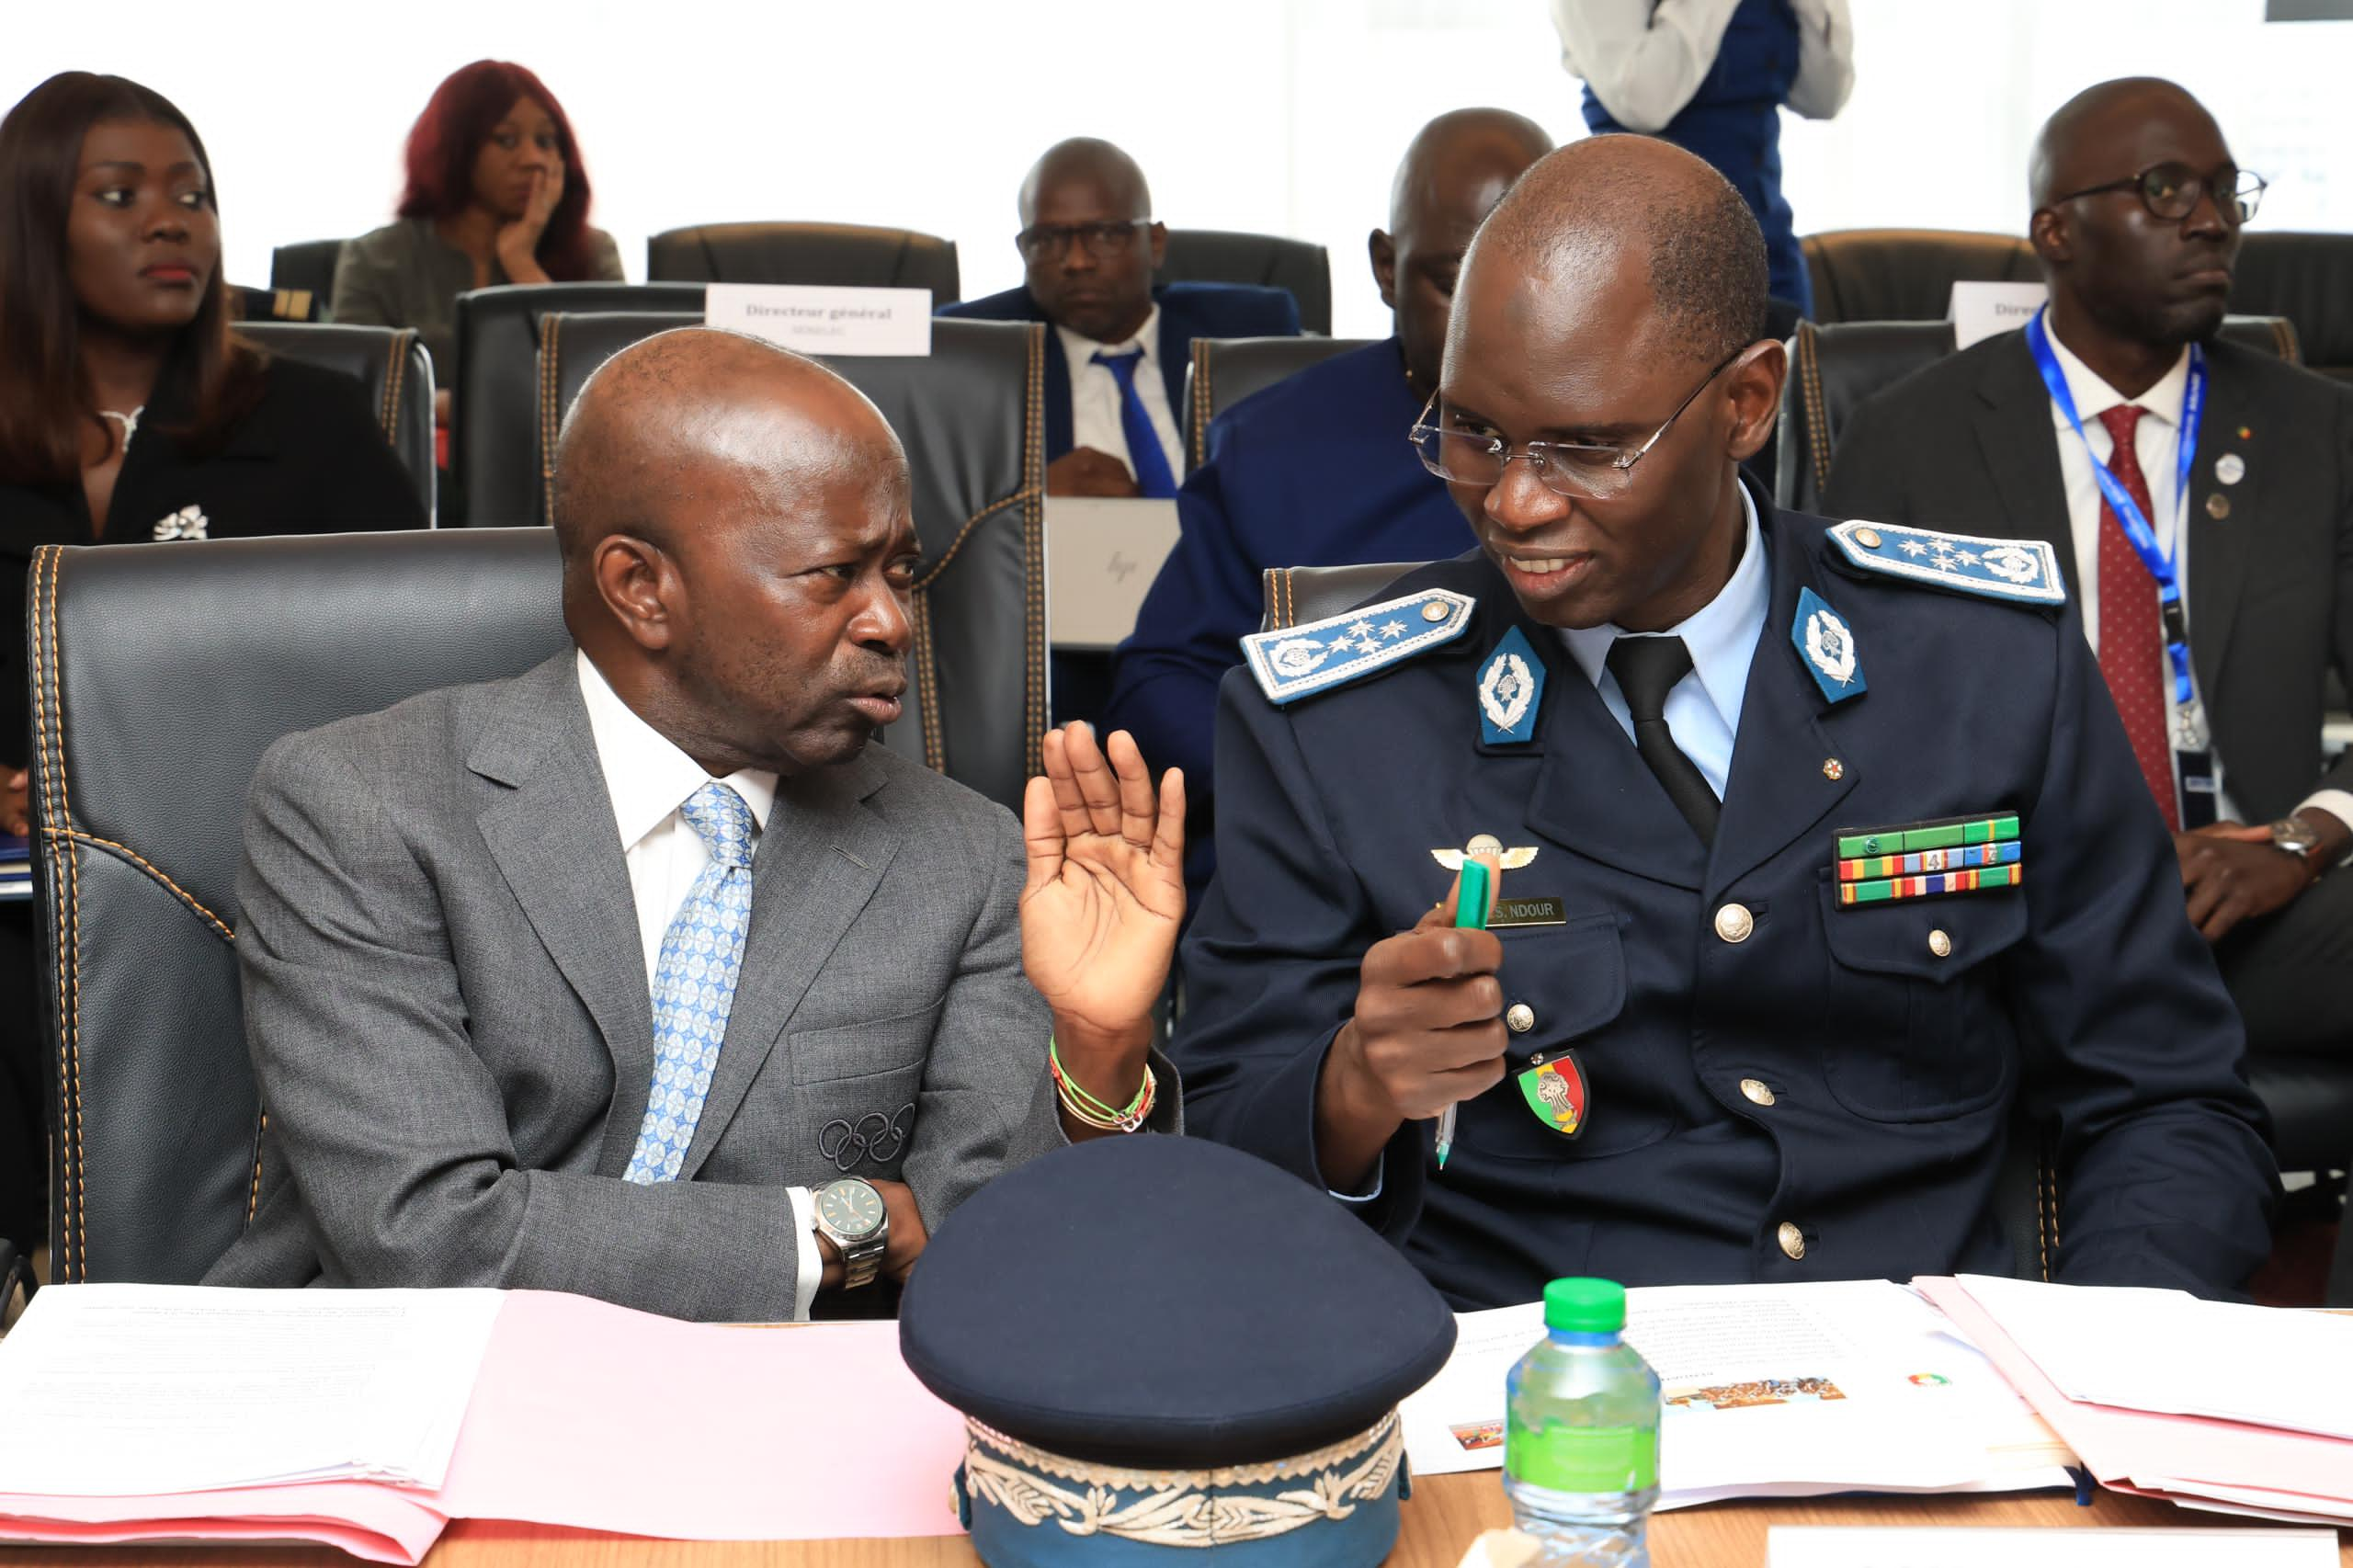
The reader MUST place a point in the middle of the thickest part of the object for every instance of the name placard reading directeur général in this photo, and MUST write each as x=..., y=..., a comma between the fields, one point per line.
x=812, y=320
x=1978, y=310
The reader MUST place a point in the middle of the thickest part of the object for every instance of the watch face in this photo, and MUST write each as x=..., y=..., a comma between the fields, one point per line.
x=852, y=1209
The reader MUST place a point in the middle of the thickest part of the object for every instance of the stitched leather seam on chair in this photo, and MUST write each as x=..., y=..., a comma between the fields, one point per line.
x=1200, y=401
x=1817, y=415
x=2292, y=348
x=926, y=681
x=965, y=533
x=551, y=359
x=252, y=1194
x=1034, y=696
x=128, y=853
x=56, y=936
x=65, y=928
x=390, y=414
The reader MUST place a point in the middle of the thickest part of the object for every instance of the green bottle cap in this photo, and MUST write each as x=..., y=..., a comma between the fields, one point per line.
x=1584, y=1306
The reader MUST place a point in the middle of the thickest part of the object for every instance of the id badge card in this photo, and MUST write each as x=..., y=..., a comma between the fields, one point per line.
x=2200, y=797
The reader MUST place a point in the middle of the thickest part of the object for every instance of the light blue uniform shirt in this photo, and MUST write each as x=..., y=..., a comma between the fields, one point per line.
x=1703, y=707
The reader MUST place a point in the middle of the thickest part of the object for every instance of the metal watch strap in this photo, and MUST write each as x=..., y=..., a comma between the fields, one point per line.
x=861, y=1260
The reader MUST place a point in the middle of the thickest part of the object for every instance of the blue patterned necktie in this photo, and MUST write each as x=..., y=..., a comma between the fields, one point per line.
x=1146, y=454
x=694, y=982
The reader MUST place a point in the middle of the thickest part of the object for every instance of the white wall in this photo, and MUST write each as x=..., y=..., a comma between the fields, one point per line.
x=1278, y=115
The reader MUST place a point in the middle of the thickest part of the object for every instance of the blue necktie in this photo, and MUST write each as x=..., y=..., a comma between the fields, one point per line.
x=1145, y=455
x=694, y=982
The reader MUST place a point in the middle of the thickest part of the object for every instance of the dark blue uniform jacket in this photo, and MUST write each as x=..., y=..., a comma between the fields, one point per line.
x=2083, y=995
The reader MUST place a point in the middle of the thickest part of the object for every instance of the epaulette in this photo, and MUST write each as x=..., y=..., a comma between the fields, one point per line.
x=1298, y=660
x=2023, y=571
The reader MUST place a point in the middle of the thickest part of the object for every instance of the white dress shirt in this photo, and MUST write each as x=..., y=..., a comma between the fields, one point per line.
x=1094, y=395
x=1643, y=59
x=648, y=781
x=1703, y=707
x=2156, y=442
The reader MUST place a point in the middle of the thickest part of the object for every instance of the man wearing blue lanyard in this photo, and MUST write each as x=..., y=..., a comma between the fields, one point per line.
x=2201, y=495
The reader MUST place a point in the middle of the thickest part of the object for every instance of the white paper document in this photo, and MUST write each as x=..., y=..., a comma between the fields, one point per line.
x=1978, y=310
x=181, y=1388
x=2168, y=1352
x=1781, y=1391
x=1870, y=1546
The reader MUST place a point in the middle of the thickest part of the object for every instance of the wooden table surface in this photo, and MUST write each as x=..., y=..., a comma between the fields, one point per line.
x=1445, y=1514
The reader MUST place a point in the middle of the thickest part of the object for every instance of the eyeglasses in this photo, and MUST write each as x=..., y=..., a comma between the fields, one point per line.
x=2170, y=191
x=1050, y=242
x=1575, y=469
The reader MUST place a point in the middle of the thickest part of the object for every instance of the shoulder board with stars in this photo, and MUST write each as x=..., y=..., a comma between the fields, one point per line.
x=1298, y=660
x=2023, y=571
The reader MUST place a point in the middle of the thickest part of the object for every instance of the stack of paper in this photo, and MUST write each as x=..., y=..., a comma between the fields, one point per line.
x=1772, y=1390
x=367, y=1420
x=2245, y=1409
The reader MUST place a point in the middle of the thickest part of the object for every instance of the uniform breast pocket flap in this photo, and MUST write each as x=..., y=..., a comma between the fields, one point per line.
x=896, y=1044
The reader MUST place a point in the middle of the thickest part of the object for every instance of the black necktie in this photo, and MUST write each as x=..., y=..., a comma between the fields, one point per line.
x=1647, y=669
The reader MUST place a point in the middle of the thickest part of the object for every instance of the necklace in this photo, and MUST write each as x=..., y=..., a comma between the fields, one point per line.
x=129, y=422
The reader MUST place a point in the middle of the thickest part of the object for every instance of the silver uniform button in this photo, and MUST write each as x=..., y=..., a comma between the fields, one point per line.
x=1867, y=538
x=1733, y=922
x=1519, y=1018
x=1941, y=944
x=1793, y=1240
x=1757, y=1091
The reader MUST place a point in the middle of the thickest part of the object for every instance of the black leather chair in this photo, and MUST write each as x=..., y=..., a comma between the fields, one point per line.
x=2027, y=1189
x=308, y=265
x=1863, y=275
x=2309, y=279
x=389, y=362
x=159, y=677
x=850, y=255
x=1226, y=255
x=1227, y=370
x=970, y=417
x=1834, y=368
x=493, y=470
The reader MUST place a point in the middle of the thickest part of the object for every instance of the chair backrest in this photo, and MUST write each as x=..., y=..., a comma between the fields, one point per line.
x=2026, y=1196
x=494, y=471
x=1834, y=368
x=307, y=265
x=247, y=303
x=2309, y=279
x=1863, y=275
x=159, y=677
x=970, y=415
x=1227, y=370
x=1227, y=255
x=389, y=362
x=844, y=254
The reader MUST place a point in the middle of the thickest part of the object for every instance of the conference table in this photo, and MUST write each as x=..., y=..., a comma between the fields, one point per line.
x=1441, y=1521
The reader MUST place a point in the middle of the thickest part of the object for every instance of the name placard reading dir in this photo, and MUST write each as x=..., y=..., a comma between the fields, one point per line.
x=812, y=320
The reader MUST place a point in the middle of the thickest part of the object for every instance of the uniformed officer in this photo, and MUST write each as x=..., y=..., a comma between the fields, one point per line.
x=1828, y=851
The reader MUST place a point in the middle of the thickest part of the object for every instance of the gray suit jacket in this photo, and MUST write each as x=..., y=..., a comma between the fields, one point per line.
x=1967, y=445
x=445, y=1003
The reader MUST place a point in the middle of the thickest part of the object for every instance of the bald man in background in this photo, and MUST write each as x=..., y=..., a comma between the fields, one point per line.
x=642, y=975
x=1115, y=393
x=2137, y=205
x=1315, y=470
x=1689, y=722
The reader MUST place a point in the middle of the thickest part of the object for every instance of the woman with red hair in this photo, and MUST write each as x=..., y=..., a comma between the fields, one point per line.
x=496, y=194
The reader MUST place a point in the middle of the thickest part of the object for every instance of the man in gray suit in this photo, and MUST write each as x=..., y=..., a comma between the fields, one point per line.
x=640, y=975
x=2248, y=494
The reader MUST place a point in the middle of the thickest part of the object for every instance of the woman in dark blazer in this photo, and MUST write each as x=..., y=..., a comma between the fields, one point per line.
x=129, y=414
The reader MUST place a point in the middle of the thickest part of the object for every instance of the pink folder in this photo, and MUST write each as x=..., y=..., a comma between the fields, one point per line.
x=601, y=1418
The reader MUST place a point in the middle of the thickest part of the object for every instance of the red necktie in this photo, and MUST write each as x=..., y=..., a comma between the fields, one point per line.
x=2132, y=646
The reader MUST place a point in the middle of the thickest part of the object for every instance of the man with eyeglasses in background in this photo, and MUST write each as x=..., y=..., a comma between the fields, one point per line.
x=2173, y=457
x=1823, y=860
x=1115, y=392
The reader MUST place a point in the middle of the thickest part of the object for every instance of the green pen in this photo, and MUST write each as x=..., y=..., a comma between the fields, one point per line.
x=1469, y=914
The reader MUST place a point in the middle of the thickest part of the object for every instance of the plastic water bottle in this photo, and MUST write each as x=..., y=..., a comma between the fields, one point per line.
x=1581, y=1432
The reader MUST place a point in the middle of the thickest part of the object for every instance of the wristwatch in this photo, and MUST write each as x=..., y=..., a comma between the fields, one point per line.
x=2299, y=840
x=850, y=1212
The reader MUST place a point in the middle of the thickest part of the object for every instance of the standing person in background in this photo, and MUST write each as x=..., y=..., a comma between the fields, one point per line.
x=1710, y=77
x=496, y=194
x=128, y=414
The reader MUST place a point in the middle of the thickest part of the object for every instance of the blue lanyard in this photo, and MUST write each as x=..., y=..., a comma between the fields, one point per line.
x=2128, y=511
